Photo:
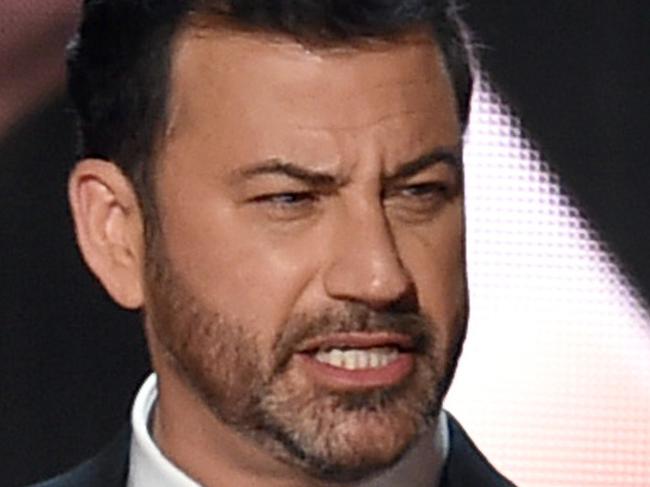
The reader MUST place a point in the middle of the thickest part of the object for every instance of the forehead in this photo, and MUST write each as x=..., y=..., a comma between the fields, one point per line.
x=266, y=88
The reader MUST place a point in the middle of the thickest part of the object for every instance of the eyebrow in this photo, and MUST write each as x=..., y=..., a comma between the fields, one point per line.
x=276, y=166
x=444, y=155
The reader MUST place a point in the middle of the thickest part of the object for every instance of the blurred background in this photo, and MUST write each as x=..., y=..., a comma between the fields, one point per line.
x=554, y=383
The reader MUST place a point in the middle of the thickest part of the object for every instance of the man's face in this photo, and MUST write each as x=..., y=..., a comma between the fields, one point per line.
x=307, y=278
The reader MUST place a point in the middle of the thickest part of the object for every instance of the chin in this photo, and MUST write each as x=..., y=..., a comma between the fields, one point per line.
x=352, y=451
x=366, y=446
x=345, y=438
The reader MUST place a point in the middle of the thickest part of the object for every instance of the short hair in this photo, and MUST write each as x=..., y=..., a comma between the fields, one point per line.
x=119, y=61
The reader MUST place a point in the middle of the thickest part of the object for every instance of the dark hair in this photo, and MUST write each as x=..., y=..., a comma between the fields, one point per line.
x=119, y=62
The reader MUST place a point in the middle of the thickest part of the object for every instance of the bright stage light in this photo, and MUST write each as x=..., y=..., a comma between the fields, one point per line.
x=554, y=382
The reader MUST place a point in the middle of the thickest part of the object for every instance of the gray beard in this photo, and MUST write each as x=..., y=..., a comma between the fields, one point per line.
x=337, y=437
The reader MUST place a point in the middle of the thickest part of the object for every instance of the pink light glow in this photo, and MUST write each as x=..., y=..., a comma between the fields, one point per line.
x=554, y=381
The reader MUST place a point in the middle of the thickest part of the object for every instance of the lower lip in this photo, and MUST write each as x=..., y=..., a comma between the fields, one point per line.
x=338, y=378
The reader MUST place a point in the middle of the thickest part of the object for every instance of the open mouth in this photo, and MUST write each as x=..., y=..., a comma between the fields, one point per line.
x=358, y=360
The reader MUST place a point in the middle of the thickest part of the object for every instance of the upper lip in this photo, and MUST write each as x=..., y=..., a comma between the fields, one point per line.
x=358, y=340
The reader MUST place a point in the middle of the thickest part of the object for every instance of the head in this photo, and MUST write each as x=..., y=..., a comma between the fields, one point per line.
x=278, y=186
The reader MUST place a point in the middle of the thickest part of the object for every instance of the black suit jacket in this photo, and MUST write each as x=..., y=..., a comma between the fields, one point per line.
x=466, y=466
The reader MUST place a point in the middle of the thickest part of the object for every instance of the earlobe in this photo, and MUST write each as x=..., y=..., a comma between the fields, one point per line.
x=108, y=224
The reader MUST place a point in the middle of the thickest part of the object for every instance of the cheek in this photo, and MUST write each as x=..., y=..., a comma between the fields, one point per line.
x=435, y=258
x=236, y=267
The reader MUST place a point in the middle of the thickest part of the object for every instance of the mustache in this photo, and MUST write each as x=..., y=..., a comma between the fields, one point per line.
x=350, y=318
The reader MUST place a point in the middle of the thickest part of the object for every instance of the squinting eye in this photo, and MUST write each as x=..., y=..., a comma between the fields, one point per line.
x=288, y=206
x=425, y=190
x=417, y=202
x=286, y=199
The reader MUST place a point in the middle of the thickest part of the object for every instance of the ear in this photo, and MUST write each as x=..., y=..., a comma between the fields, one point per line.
x=109, y=228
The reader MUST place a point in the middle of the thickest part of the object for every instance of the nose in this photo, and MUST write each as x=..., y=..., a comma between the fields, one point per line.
x=366, y=266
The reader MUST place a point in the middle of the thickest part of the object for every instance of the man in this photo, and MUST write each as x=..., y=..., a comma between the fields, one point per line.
x=278, y=186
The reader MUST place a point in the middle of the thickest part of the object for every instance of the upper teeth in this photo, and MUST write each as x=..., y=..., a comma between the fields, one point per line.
x=353, y=359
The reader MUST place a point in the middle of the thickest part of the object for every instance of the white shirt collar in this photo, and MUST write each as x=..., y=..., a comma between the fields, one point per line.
x=421, y=466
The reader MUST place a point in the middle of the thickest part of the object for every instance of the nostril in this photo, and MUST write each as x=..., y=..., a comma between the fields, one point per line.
x=406, y=303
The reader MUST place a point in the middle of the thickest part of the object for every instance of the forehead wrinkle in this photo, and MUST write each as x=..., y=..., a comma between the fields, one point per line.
x=363, y=125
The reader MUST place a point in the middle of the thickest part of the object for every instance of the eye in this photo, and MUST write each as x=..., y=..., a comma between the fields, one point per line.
x=417, y=202
x=421, y=193
x=287, y=206
x=290, y=198
x=425, y=190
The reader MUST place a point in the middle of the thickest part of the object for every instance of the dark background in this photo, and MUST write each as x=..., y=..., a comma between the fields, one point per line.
x=577, y=74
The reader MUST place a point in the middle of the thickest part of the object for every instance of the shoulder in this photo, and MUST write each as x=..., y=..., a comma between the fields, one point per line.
x=108, y=469
x=466, y=466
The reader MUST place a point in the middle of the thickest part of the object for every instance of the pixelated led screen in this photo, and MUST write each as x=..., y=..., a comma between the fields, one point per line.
x=554, y=382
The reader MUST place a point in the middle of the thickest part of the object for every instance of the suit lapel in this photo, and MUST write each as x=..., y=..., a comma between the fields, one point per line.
x=108, y=469
x=466, y=466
